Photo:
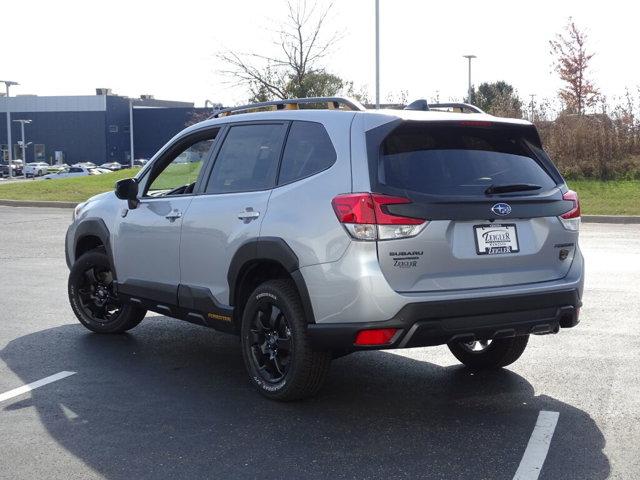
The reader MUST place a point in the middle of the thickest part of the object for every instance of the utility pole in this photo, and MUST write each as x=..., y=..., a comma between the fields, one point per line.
x=7, y=84
x=469, y=91
x=377, y=54
x=23, y=145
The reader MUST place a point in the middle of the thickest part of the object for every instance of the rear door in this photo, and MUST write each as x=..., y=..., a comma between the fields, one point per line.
x=491, y=198
x=228, y=211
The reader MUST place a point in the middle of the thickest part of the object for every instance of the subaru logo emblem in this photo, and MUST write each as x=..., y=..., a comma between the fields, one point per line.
x=501, y=209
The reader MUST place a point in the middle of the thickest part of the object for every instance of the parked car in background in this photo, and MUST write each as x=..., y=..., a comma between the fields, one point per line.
x=58, y=168
x=140, y=162
x=113, y=166
x=85, y=164
x=15, y=168
x=36, y=169
x=73, y=172
x=101, y=169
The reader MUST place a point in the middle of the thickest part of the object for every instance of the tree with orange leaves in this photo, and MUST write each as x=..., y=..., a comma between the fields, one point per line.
x=572, y=62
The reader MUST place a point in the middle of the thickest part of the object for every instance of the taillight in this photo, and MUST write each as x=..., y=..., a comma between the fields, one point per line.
x=571, y=219
x=379, y=336
x=365, y=217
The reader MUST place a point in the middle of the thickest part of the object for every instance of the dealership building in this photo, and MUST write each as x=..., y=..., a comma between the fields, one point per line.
x=92, y=128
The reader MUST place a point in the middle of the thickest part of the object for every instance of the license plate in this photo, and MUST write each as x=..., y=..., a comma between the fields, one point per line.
x=496, y=239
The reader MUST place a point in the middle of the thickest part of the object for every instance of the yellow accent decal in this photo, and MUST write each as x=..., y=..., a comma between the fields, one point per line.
x=215, y=316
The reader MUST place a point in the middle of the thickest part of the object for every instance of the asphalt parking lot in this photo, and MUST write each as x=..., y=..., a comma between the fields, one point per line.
x=171, y=400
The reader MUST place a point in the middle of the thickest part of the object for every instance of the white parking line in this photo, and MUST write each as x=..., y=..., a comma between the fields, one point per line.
x=31, y=386
x=538, y=446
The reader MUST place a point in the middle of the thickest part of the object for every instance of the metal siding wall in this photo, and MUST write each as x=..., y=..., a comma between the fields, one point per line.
x=84, y=135
x=80, y=135
x=117, y=148
x=34, y=103
x=153, y=127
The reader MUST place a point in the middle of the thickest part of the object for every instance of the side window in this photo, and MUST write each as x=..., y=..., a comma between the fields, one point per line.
x=180, y=175
x=308, y=151
x=248, y=159
x=75, y=170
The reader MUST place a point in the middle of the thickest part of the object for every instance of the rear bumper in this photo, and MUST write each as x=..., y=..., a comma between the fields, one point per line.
x=436, y=323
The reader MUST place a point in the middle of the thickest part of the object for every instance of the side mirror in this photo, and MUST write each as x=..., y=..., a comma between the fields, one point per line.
x=127, y=189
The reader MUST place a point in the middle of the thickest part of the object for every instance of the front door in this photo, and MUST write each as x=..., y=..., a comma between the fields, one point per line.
x=146, y=246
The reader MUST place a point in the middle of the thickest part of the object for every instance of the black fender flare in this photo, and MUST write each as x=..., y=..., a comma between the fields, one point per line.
x=277, y=250
x=94, y=227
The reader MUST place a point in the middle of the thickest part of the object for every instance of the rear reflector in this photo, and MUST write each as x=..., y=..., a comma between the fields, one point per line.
x=571, y=219
x=366, y=217
x=381, y=336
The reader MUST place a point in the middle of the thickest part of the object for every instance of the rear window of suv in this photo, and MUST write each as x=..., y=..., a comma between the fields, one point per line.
x=454, y=159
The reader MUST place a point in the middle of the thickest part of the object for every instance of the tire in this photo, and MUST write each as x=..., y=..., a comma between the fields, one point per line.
x=496, y=354
x=275, y=345
x=92, y=297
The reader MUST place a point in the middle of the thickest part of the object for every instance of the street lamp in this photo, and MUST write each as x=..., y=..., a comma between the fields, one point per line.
x=532, y=105
x=7, y=84
x=23, y=145
x=378, y=54
x=131, y=130
x=469, y=57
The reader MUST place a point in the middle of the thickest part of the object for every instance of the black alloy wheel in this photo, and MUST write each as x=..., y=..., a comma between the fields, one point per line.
x=96, y=294
x=271, y=343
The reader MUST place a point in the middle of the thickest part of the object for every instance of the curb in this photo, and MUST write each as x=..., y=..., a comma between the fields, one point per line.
x=621, y=219
x=37, y=203
x=625, y=219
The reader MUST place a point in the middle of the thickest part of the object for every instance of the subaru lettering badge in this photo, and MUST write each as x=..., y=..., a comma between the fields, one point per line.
x=501, y=209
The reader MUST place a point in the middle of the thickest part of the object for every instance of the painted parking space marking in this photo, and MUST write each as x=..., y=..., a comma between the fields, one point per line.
x=538, y=446
x=32, y=386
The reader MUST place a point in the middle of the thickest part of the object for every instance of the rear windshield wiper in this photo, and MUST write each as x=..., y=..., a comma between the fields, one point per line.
x=516, y=187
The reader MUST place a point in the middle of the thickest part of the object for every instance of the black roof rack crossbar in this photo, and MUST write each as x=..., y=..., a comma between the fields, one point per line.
x=460, y=105
x=423, y=105
x=292, y=103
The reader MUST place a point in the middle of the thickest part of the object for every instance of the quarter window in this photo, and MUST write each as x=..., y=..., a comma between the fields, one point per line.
x=248, y=159
x=308, y=151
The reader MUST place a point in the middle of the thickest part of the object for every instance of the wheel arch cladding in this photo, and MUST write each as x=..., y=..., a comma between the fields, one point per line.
x=267, y=251
x=85, y=237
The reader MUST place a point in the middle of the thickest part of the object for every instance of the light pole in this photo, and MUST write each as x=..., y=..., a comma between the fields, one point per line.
x=533, y=96
x=131, y=130
x=7, y=84
x=378, y=54
x=469, y=91
x=23, y=145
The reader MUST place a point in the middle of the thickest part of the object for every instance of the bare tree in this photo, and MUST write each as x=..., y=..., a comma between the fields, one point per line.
x=295, y=71
x=571, y=62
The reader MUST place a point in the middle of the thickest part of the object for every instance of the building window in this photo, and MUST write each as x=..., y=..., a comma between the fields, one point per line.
x=38, y=152
x=113, y=128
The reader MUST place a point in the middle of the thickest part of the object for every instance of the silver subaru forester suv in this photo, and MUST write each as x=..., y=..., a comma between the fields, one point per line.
x=316, y=232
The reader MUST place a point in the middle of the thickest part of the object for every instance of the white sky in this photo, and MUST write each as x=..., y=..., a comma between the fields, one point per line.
x=65, y=47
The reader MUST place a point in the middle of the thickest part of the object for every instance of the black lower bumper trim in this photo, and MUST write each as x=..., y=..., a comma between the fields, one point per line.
x=436, y=323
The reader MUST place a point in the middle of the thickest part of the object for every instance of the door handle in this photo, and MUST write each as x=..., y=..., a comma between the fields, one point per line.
x=248, y=214
x=173, y=215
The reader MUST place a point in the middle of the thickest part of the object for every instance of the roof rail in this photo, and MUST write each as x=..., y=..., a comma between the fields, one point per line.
x=422, y=104
x=292, y=104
